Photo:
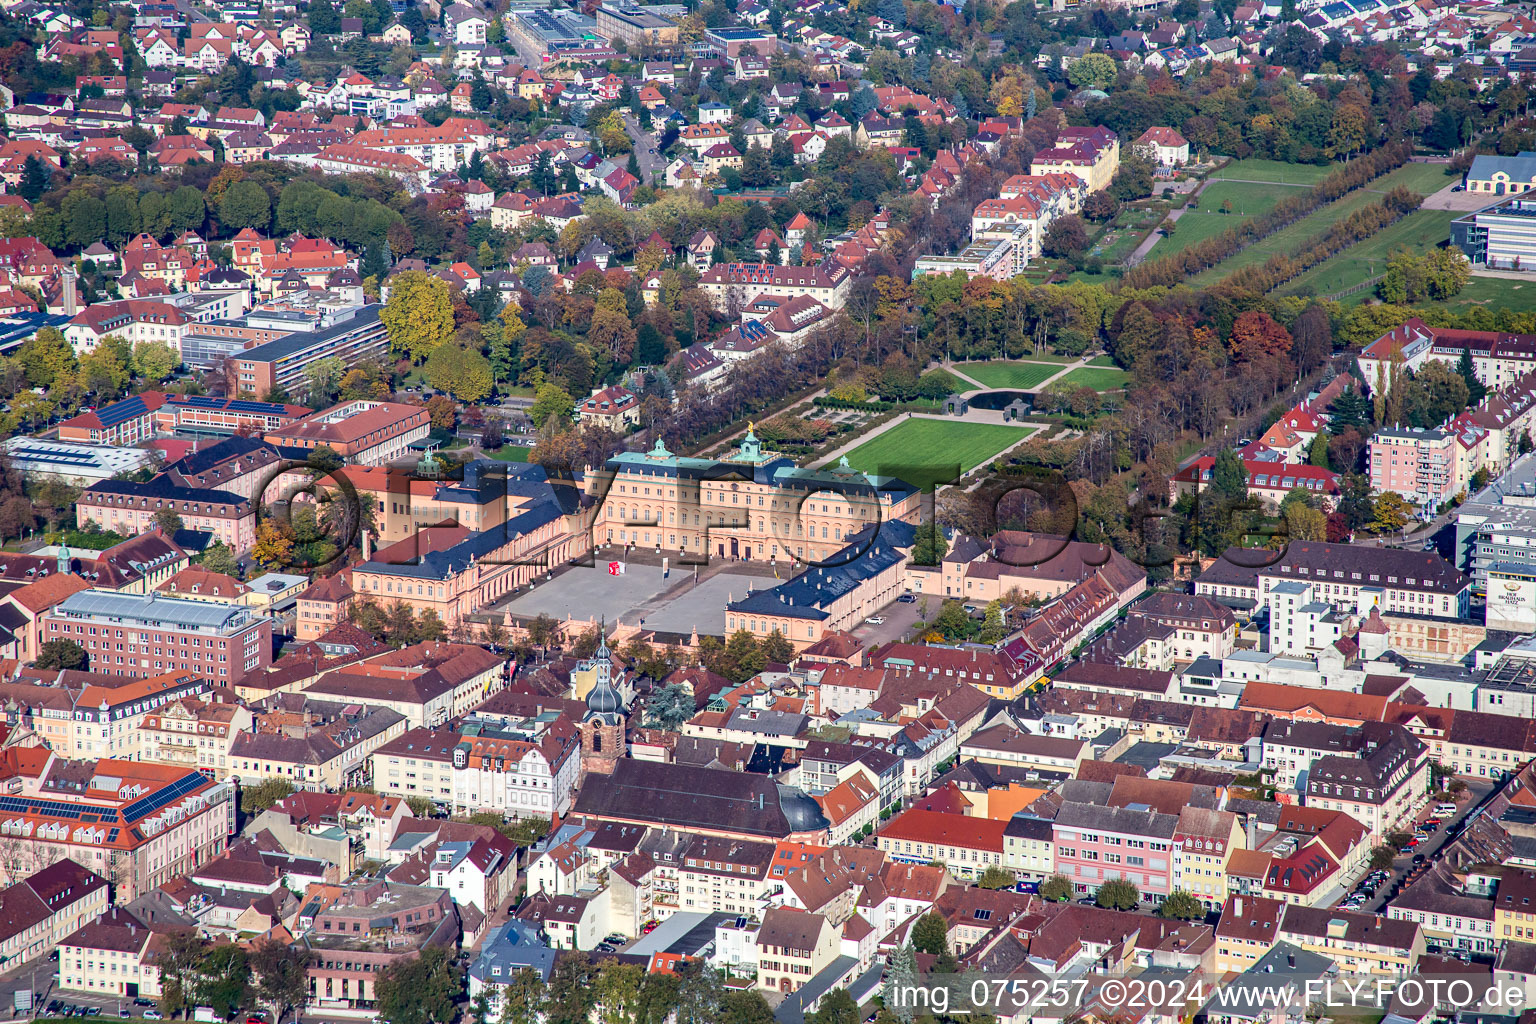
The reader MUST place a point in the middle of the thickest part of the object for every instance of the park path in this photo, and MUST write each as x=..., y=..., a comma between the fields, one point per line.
x=1140, y=252
x=954, y=369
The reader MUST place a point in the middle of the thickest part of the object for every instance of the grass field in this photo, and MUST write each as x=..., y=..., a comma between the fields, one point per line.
x=1100, y=378
x=1496, y=293
x=1207, y=220
x=1101, y=361
x=1421, y=178
x=1009, y=375
x=926, y=452
x=1416, y=232
x=510, y=453
x=1274, y=170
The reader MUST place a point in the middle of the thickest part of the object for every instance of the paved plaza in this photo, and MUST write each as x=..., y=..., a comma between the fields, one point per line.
x=672, y=604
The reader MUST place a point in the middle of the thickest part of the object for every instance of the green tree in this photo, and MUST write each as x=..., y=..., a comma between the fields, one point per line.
x=837, y=1007
x=1229, y=480
x=60, y=654
x=900, y=976
x=1057, y=888
x=742, y=658
x=1117, y=894
x=551, y=402
x=245, y=204
x=421, y=990
x=996, y=878
x=281, y=972
x=46, y=357
x=185, y=208
x=669, y=707
x=930, y=934
x=258, y=797
x=418, y=315
x=953, y=621
x=522, y=1001
x=1181, y=906
x=745, y=1006
x=1093, y=71
x=994, y=628
x=1382, y=857
x=777, y=648
x=930, y=545
x=461, y=371
x=1476, y=391
x=85, y=218
x=1350, y=409
x=154, y=360
x=168, y=520
x=322, y=379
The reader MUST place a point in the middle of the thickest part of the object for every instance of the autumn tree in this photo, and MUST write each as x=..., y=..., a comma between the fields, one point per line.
x=1390, y=512
x=442, y=411
x=1256, y=334
x=273, y=548
x=418, y=315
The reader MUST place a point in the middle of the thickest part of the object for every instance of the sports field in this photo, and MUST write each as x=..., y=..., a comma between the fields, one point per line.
x=1100, y=378
x=1024, y=376
x=926, y=452
x=1273, y=170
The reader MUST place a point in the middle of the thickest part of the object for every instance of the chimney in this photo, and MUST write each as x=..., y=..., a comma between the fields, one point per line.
x=69, y=293
x=367, y=546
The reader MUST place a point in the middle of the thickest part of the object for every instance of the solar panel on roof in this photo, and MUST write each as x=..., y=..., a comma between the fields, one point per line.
x=161, y=797
x=119, y=412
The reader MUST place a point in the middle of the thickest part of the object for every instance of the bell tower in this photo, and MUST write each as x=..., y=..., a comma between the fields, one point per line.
x=603, y=726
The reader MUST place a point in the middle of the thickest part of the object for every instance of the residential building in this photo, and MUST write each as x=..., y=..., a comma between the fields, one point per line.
x=38, y=911
x=794, y=946
x=148, y=823
x=1095, y=844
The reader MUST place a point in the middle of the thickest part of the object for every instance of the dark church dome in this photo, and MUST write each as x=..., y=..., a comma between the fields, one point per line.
x=801, y=812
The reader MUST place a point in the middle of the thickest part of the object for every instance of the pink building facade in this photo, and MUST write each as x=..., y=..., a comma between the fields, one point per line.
x=1096, y=844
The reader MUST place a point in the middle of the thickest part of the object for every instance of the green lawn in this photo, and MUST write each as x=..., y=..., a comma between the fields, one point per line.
x=1207, y=220
x=1010, y=375
x=1101, y=361
x=510, y=453
x=1496, y=293
x=1100, y=378
x=927, y=452
x=1416, y=232
x=1417, y=177
x=1274, y=170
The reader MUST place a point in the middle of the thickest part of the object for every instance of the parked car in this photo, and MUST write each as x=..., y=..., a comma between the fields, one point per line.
x=153, y=1015
x=907, y=598
x=875, y=620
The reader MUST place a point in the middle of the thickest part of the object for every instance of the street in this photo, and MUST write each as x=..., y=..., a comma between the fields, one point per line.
x=651, y=164
x=1478, y=792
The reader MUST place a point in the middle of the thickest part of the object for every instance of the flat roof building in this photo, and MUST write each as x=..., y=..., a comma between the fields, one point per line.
x=145, y=635
x=78, y=464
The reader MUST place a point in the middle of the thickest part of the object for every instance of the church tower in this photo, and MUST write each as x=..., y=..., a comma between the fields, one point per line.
x=603, y=726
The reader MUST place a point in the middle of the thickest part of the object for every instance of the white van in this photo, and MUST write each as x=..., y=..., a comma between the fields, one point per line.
x=1445, y=810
